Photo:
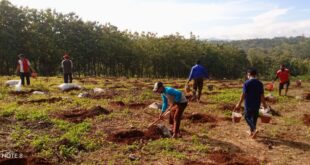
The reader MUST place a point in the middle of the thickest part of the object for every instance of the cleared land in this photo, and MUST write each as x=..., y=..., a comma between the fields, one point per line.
x=111, y=127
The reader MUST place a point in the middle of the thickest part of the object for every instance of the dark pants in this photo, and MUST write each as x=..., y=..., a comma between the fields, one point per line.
x=251, y=116
x=198, y=84
x=281, y=85
x=68, y=77
x=176, y=116
x=23, y=76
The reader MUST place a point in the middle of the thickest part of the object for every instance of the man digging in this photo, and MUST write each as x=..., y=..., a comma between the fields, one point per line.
x=253, y=96
x=177, y=104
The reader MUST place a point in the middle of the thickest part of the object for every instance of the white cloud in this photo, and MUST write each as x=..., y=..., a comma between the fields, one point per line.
x=243, y=18
x=266, y=25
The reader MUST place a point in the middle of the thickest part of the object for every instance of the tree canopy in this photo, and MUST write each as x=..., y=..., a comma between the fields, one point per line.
x=44, y=36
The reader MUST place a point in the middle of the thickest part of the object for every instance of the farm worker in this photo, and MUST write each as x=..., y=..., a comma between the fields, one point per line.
x=283, y=74
x=177, y=104
x=253, y=96
x=24, y=69
x=198, y=73
x=67, y=66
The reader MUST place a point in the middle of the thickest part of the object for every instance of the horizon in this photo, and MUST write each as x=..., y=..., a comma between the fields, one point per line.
x=207, y=20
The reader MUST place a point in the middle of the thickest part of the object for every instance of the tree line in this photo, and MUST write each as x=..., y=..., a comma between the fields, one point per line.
x=44, y=36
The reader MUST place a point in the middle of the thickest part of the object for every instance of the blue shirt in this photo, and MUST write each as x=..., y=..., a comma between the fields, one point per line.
x=253, y=89
x=173, y=93
x=198, y=71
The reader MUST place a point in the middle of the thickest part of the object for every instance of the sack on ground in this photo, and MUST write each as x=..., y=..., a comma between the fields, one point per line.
x=155, y=105
x=12, y=82
x=67, y=87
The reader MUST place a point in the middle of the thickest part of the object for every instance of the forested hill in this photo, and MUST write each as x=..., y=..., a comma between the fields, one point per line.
x=44, y=36
x=297, y=46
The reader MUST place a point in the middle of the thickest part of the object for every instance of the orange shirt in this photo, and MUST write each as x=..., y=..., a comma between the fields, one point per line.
x=283, y=75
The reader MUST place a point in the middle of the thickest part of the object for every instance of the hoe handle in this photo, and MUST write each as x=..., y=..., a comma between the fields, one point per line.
x=156, y=121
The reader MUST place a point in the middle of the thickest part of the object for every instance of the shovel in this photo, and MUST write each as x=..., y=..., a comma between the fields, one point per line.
x=156, y=121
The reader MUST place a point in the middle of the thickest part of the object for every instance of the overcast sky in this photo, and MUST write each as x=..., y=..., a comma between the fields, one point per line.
x=209, y=19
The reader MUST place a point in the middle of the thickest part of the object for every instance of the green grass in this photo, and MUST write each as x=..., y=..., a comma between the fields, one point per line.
x=168, y=147
x=226, y=96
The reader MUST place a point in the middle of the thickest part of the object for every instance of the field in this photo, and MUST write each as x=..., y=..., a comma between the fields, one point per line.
x=112, y=127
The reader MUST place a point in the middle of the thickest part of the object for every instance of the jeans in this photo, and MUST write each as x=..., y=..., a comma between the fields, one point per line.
x=22, y=78
x=198, y=84
x=68, y=77
x=176, y=116
x=251, y=115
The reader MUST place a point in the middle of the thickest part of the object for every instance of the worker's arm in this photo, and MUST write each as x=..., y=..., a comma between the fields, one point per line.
x=276, y=77
x=238, y=106
x=164, y=106
x=31, y=69
x=17, y=68
x=190, y=76
x=262, y=98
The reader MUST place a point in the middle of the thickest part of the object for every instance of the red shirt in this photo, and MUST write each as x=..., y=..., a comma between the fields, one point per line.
x=283, y=75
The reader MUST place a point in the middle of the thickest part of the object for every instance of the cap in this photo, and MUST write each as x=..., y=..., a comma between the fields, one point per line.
x=157, y=85
x=66, y=56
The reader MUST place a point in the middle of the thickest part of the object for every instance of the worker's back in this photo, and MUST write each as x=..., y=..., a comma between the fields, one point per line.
x=67, y=66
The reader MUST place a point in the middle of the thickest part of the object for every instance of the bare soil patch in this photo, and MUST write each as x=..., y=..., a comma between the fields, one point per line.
x=306, y=96
x=137, y=105
x=48, y=100
x=25, y=161
x=232, y=158
x=78, y=115
x=117, y=103
x=130, y=136
x=201, y=118
x=226, y=106
x=25, y=92
x=306, y=119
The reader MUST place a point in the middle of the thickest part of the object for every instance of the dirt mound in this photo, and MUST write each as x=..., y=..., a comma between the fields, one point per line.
x=271, y=99
x=117, y=103
x=127, y=137
x=226, y=118
x=136, y=105
x=130, y=136
x=227, y=106
x=232, y=158
x=155, y=132
x=306, y=96
x=306, y=119
x=193, y=162
x=201, y=118
x=106, y=94
x=25, y=161
x=49, y=100
x=38, y=124
x=88, y=81
x=25, y=92
x=78, y=115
